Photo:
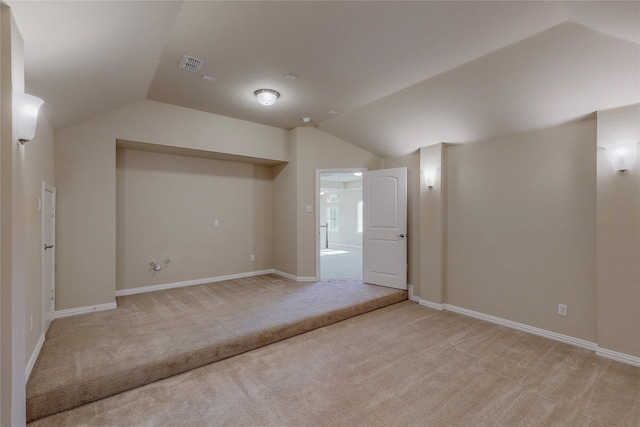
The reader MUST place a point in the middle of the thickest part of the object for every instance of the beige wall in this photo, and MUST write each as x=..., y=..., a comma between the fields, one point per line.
x=166, y=207
x=85, y=157
x=6, y=202
x=285, y=201
x=412, y=163
x=618, y=235
x=432, y=226
x=521, y=228
x=22, y=170
x=12, y=230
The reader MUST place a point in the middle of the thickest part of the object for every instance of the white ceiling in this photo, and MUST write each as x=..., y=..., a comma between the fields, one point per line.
x=401, y=75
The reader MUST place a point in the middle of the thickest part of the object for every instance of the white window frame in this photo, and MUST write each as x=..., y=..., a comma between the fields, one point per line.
x=333, y=221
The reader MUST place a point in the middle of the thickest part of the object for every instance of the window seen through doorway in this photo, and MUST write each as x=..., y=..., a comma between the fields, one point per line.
x=332, y=218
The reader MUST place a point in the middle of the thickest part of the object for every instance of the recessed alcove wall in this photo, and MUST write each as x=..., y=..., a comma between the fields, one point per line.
x=207, y=216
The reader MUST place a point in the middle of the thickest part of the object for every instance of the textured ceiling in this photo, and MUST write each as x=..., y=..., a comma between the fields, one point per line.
x=401, y=75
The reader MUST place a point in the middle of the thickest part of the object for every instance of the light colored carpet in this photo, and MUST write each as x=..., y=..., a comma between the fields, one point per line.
x=403, y=365
x=341, y=263
x=156, y=335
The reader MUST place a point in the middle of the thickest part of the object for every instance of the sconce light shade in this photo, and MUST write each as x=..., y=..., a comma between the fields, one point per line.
x=266, y=96
x=429, y=177
x=622, y=156
x=26, y=109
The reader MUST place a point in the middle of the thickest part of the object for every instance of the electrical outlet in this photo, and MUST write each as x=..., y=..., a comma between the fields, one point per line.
x=253, y=257
x=562, y=309
x=216, y=223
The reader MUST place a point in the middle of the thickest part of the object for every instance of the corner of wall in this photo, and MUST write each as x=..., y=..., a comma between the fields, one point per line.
x=432, y=225
x=618, y=235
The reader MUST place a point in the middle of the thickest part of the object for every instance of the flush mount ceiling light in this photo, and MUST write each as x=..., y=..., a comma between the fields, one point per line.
x=266, y=96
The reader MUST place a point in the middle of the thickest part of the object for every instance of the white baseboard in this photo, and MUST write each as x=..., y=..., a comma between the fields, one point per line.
x=412, y=297
x=292, y=277
x=83, y=310
x=525, y=328
x=285, y=275
x=601, y=352
x=34, y=357
x=618, y=357
x=152, y=288
x=340, y=245
x=434, y=305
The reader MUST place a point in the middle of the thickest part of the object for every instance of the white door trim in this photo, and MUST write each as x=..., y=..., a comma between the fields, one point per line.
x=46, y=288
x=317, y=213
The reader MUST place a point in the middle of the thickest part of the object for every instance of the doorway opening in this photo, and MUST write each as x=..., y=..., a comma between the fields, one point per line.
x=340, y=213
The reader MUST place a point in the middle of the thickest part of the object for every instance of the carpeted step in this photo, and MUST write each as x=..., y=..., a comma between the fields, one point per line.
x=157, y=335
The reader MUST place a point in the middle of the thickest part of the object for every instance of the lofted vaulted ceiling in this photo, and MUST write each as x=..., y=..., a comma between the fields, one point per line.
x=400, y=75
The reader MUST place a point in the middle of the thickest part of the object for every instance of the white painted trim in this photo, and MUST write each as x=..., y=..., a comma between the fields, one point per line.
x=618, y=357
x=525, y=328
x=434, y=305
x=48, y=289
x=83, y=310
x=285, y=275
x=34, y=357
x=296, y=278
x=601, y=352
x=412, y=297
x=340, y=245
x=152, y=288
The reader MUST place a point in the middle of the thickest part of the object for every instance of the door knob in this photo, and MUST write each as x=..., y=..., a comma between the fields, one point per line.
x=401, y=235
x=47, y=246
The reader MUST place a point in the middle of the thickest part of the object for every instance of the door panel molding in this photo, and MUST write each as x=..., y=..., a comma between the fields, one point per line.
x=385, y=227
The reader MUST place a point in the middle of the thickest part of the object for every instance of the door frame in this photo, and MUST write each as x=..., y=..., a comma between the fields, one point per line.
x=319, y=172
x=46, y=187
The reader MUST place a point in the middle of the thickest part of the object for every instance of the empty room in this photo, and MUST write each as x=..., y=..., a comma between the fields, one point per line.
x=320, y=213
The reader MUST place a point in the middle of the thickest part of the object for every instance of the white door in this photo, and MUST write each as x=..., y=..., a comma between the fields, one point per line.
x=385, y=227
x=48, y=254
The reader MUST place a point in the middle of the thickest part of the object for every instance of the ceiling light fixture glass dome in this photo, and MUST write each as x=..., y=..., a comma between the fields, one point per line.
x=266, y=96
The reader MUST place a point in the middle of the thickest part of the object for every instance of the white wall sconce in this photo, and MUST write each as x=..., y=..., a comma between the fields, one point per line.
x=622, y=156
x=266, y=96
x=26, y=109
x=429, y=177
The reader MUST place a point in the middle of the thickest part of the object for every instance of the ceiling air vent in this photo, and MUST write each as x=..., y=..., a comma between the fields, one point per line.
x=191, y=63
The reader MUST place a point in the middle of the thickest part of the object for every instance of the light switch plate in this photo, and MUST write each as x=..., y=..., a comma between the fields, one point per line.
x=562, y=309
x=308, y=209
